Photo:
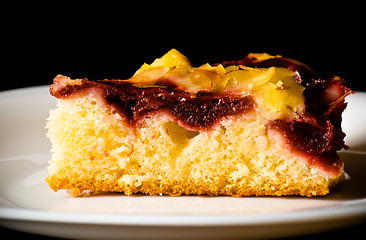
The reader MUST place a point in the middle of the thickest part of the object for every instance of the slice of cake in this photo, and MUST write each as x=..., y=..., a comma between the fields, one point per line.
x=264, y=126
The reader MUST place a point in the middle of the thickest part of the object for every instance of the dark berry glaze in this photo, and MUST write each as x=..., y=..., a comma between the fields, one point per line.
x=317, y=144
x=197, y=112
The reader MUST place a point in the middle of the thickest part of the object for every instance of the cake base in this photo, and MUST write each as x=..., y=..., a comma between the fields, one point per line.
x=93, y=148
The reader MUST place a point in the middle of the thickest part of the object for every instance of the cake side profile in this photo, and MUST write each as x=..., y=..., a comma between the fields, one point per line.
x=261, y=126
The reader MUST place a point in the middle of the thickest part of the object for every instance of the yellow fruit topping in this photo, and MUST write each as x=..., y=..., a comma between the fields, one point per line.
x=172, y=59
x=258, y=57
x=246, y=78
x=274, y=87
x=281, y=95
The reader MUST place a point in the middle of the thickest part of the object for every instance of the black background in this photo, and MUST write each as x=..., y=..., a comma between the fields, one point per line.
x=99, y=42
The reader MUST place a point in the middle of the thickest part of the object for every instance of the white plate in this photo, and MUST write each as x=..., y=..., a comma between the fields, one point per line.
x=27, y=204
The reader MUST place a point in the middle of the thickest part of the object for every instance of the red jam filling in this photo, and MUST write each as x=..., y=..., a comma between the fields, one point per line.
x=315, y=143
x=197, y=112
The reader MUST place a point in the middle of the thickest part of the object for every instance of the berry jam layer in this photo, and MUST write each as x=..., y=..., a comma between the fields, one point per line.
x=197, y=112
x=315, y=143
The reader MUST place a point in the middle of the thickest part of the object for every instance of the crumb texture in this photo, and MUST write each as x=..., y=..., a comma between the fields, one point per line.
x=94, y=149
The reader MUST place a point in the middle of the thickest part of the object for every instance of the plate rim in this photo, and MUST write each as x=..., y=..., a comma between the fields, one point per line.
x=26, y=91
x=353, y=209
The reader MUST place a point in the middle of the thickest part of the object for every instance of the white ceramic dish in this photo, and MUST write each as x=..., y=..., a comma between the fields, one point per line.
x=27, y=204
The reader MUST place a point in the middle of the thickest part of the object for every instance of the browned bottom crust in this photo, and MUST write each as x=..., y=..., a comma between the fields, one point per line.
x=78, y=185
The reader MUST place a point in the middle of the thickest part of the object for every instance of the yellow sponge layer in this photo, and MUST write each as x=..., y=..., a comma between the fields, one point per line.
x=94, y=149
